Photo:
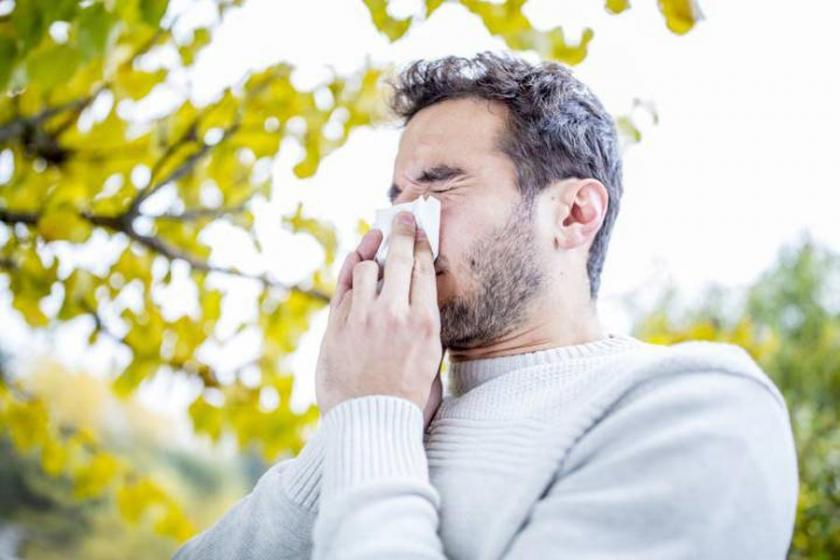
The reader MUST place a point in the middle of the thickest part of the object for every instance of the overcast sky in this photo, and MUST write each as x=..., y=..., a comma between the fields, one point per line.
x=743, y=158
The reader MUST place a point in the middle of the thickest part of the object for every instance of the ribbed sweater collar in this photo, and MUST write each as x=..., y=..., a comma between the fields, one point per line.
x=469, y=374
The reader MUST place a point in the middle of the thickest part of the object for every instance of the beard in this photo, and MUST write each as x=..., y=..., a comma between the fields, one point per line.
x=505, y=277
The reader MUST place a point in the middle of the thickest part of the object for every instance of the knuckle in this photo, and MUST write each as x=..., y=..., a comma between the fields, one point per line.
x=364, y=266
x=359, y=317
x=427, y=324
x=392, y=315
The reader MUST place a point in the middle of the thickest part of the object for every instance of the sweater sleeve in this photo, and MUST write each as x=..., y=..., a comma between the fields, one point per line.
x=692, y=465
x=376, y=497
x=274, y=520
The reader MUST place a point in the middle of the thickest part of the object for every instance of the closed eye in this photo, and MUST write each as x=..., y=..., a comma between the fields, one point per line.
x=394, y=192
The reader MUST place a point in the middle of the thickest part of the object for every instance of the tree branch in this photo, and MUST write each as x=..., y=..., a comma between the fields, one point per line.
x=123, y=225
x=198, y=213
x=17, y=126
x=11, y=217
x=204, y=371
x=183, y=169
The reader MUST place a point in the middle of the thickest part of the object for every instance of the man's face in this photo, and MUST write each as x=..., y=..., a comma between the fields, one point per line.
x=488, y=266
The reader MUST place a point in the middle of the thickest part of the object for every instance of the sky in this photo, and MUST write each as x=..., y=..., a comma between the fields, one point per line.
x=742, y=160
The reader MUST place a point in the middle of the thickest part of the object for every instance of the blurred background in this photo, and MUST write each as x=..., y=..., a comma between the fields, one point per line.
x=180, y=181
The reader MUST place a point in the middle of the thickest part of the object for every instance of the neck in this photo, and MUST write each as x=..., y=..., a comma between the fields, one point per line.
x=540, y=332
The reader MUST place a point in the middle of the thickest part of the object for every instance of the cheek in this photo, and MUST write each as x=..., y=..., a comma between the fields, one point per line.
x=456, y=234
x=445, y=234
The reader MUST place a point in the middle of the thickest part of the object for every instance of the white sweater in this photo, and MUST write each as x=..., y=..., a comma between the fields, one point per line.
x=612, y=449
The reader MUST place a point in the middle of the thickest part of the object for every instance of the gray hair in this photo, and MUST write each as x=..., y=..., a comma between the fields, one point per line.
x=556, y=127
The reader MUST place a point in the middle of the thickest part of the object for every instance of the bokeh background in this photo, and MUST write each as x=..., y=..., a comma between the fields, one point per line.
x=180, y=181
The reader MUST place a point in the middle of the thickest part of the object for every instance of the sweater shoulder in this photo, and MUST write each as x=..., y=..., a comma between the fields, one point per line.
x=691, y=379
x=655, y=361
x=694, y=381
x=694, y=423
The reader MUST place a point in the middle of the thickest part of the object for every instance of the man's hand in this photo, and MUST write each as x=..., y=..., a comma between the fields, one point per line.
x=386, y=343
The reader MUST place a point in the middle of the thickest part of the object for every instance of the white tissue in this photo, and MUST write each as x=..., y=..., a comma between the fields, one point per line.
x=426, y=215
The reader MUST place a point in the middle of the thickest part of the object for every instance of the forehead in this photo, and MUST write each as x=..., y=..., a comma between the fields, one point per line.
x=454, y=131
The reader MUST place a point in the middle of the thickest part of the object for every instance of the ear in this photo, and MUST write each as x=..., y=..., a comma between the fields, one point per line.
x=580, y=208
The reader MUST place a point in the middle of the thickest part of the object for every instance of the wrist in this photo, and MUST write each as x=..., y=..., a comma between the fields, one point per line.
x=371, y=439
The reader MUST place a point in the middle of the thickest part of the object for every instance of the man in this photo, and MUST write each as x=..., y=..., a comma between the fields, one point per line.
x=555, y=439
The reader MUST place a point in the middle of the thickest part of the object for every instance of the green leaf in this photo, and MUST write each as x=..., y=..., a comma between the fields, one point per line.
x=94, y=26
x=29, y=23
x=8, y=51
x=52, y=65
x=151, y=11
x=628, y=129
x=59, y=10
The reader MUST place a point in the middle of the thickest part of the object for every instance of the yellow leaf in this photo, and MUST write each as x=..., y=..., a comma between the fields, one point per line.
x=211, y=304
x=135, y=498
x=28, y=303
x=392, y=27
x=27, y=423
x=362, y=227
x=569, y=53
x=53, y=457
x=92, y=479
x=136, y=84
x=680, y=15
x=617, y=6
x=174, y=524
x=432, y=5
x=207, y=419
x=64, y=222
x=136, y=372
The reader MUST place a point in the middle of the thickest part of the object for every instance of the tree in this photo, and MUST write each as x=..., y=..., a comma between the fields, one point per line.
x=74, y=167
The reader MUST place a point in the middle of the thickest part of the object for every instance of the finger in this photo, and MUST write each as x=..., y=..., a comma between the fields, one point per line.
x=364, y=251
x=400, y=260
x=423, y=282
x=364, y=284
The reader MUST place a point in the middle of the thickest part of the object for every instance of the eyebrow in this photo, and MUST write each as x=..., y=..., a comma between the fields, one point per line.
x=435, y=174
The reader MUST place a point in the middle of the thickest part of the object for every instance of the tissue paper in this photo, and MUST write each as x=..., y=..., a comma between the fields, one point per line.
x=426, y=215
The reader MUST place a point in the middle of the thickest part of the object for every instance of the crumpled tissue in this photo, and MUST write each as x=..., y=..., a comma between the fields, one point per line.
x=426, y=215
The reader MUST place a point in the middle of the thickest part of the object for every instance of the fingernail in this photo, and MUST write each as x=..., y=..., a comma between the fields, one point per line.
x=421, y=234
x=406, y=218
